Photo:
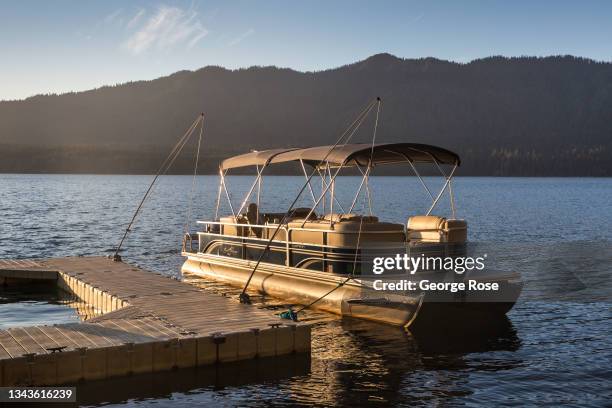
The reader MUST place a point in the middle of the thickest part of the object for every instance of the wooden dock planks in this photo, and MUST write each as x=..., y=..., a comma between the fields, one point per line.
x=152, y=322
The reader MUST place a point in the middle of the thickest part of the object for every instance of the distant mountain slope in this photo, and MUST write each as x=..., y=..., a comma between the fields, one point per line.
x=504, y=116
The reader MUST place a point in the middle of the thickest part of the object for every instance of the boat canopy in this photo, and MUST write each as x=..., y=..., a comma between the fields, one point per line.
x=348, y=155
x=254, y=158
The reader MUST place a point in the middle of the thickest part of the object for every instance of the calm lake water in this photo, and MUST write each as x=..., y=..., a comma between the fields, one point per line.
x=553, y=349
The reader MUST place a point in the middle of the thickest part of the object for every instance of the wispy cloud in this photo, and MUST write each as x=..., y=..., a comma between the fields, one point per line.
x=113, y=17
x=196, y=39
x=418, y=18
x=241, y=37
x=136, y=19
x=168, y=27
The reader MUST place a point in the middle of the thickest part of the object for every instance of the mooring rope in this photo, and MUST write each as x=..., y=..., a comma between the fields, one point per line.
x=244, y=297
x=163, y=169
x=372, y=158
x=193, y=181
x=293, y=315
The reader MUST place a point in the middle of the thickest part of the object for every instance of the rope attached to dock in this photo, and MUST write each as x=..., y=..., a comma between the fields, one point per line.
x=350, y=131
x=293, y=315
x=163, y=169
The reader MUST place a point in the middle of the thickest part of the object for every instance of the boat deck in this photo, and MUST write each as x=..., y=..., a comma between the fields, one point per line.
x=149, y=322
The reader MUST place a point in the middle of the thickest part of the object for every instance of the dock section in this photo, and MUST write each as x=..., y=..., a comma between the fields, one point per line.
x=149, y=322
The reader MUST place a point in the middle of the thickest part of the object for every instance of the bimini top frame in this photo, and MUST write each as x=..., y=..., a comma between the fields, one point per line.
x=324, y=158
x=254, y=158
x=347, y=155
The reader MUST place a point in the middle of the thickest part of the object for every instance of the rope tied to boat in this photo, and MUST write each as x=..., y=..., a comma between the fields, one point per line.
x=293, y=315
x=162, y=170
x=193, y=180
x=348, y=133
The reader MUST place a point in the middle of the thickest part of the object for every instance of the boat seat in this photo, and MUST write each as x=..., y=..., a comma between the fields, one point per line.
x=431, y=228
x=345, y=233
x=272, y=220
x=302, y=212
x=235, y=230
x=296, y=213
x=350, y=218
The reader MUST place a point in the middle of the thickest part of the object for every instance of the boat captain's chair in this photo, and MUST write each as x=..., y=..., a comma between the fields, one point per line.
x=254, y=218
x=252, y=213
x=431, y=228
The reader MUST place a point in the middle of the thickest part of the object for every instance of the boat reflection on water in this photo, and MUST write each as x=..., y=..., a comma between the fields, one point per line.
x=375, y=362
x=495, y=335
x=354, y=362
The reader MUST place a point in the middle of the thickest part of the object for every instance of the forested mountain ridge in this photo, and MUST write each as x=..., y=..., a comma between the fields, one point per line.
x=523, y=116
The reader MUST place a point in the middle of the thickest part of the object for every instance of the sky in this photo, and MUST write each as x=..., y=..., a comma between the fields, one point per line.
x=61, y=46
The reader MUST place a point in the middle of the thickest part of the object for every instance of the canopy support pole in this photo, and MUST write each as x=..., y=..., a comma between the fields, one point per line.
x=323, y=193
x=420, y=178
x=451, y=196
x=363, y=179
x=367, y=186
x=442, y=191
x=331, y=203
x=308, y=181
x=229, y=200
x=323, y=184
x=258, y=195
x=255, y=182
x=219, y=195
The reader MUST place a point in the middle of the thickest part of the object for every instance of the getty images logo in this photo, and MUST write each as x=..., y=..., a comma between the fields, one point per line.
x=403, y=262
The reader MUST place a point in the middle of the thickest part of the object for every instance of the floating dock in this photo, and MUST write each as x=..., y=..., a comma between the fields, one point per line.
x=149, y=323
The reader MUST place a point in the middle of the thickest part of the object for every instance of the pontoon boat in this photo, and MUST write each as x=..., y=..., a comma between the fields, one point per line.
x=319, y=255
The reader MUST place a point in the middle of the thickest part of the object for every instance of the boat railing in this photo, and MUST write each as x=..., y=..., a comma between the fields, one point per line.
x=282, y=228
x=275, y=226
x=188, y=239
x=288, y=243
x=208, y=230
